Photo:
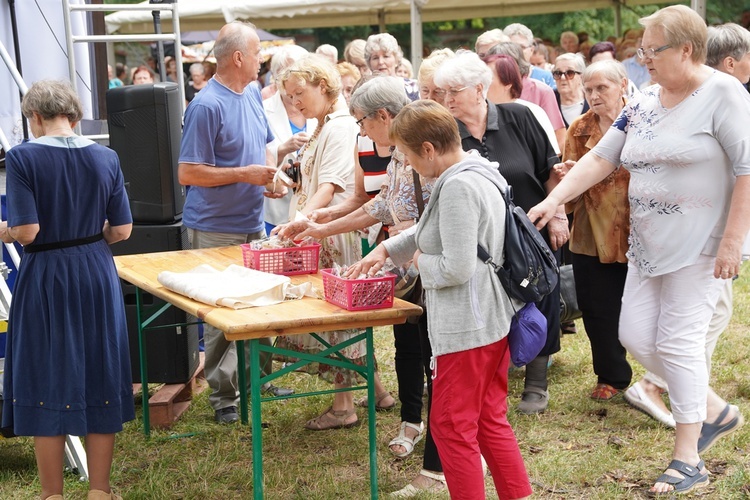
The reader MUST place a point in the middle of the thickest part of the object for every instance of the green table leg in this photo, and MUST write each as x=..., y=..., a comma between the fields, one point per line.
x=371, y=415
x=257, y=429
x=142, y=359
x=242, y=379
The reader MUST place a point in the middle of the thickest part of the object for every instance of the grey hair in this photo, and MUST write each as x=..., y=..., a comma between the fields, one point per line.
x=491, y=37
x=380, y=92
x=50, y=99
x=726, y=40
x=513, y=50
x=519, y=29
x=234, y=39
x=382, y=42
x=466, y=69
x=197, y=68
x=577, y=59
x=285, y=57
x=432, y=63
x=611, y=69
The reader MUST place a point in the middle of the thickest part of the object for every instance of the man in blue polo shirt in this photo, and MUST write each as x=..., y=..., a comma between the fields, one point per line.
x=223, y=163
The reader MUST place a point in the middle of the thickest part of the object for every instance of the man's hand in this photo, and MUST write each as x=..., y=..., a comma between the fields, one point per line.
x=260, y=175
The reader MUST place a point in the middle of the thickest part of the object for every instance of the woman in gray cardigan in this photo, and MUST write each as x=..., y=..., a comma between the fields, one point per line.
x=468, y=312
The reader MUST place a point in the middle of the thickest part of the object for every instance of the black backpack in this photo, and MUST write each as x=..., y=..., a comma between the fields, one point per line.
x=529, y=271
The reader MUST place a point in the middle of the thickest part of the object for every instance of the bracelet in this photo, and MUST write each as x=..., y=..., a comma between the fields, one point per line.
x=561, y=217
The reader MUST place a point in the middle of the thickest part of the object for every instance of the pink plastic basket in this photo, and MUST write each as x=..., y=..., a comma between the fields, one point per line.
x=286, y=261
x=359, y=294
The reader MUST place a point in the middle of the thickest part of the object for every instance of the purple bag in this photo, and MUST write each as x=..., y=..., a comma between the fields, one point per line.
x=527, y=335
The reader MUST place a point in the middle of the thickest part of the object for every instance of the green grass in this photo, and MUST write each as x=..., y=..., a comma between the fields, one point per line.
x=578, y=449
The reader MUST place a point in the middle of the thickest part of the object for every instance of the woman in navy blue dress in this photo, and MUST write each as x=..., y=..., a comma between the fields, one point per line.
x=67, y=368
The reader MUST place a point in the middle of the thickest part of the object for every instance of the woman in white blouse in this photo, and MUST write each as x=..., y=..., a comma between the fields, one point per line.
x=685, y=143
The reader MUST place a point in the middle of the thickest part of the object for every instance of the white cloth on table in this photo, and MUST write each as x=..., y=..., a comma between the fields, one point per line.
x=236, y=286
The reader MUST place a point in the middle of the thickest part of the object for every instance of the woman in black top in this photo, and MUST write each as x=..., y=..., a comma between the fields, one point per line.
x=510, y=135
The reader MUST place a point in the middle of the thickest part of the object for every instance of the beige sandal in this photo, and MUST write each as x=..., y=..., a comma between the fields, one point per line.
x=437, y=485
x=362, y=403
x=332, y=419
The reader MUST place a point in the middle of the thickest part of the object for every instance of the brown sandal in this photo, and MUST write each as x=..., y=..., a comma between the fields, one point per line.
x=332, y=419
x=362, y=403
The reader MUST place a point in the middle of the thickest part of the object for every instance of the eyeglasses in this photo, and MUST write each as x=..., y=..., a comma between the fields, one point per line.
x=455, y=92
x=650, y=53
x=557, y=74
x=359, y=122
x=424, y=93
x=384, y=57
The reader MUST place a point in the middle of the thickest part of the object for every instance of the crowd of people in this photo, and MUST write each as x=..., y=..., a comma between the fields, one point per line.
x=641, y=142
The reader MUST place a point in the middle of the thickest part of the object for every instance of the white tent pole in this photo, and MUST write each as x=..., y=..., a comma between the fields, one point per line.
x=699, y=6
x=416, y=35
x=381, y=21
x=618, y=19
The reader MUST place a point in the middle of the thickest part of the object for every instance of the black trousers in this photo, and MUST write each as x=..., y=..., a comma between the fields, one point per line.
x=599, y=290
x=549, y=306
x=409, y=371
x=413, y=353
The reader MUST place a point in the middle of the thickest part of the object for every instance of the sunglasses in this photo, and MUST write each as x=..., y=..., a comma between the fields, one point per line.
x=568, y=74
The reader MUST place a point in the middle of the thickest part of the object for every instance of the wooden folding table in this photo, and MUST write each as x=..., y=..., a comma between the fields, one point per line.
x=308, y=315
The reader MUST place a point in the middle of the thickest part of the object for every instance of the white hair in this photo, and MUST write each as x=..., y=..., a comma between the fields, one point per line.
x=491, y=37
x=464, y=70
x=576, y=59
x=285, y=56
x=384, y=42
x=519, y=29
x=329, y=51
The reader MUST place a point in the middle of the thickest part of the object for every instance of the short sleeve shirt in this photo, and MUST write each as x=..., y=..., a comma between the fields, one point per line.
x=225, y=129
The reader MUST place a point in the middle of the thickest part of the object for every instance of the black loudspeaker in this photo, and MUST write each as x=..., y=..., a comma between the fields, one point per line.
x=172, y=351
x=145, y=132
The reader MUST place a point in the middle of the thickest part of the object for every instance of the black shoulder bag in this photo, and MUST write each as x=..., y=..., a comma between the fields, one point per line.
x=529, y=271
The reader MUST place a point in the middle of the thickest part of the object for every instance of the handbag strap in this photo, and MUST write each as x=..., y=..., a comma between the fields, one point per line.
x=485, y=257
x=418, y=192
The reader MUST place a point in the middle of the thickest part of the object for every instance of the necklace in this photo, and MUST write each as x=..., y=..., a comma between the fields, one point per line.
x=317, y=131
x=672, y=103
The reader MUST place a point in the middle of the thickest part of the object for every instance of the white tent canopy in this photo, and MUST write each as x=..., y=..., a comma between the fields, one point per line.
x=279, y=14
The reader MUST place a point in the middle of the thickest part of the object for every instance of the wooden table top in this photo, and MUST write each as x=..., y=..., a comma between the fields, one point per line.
x=289, y=317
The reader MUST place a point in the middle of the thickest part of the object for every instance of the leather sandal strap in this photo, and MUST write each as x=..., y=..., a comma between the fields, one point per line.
x=685, y=469
x=437, y=476
x=417, y=427
x=722, y=415
x=341, y=413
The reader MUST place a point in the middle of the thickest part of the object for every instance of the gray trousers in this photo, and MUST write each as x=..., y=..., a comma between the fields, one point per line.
x=221, y=354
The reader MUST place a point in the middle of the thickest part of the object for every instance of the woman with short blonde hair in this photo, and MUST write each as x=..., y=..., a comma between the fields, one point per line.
x=327, y=175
